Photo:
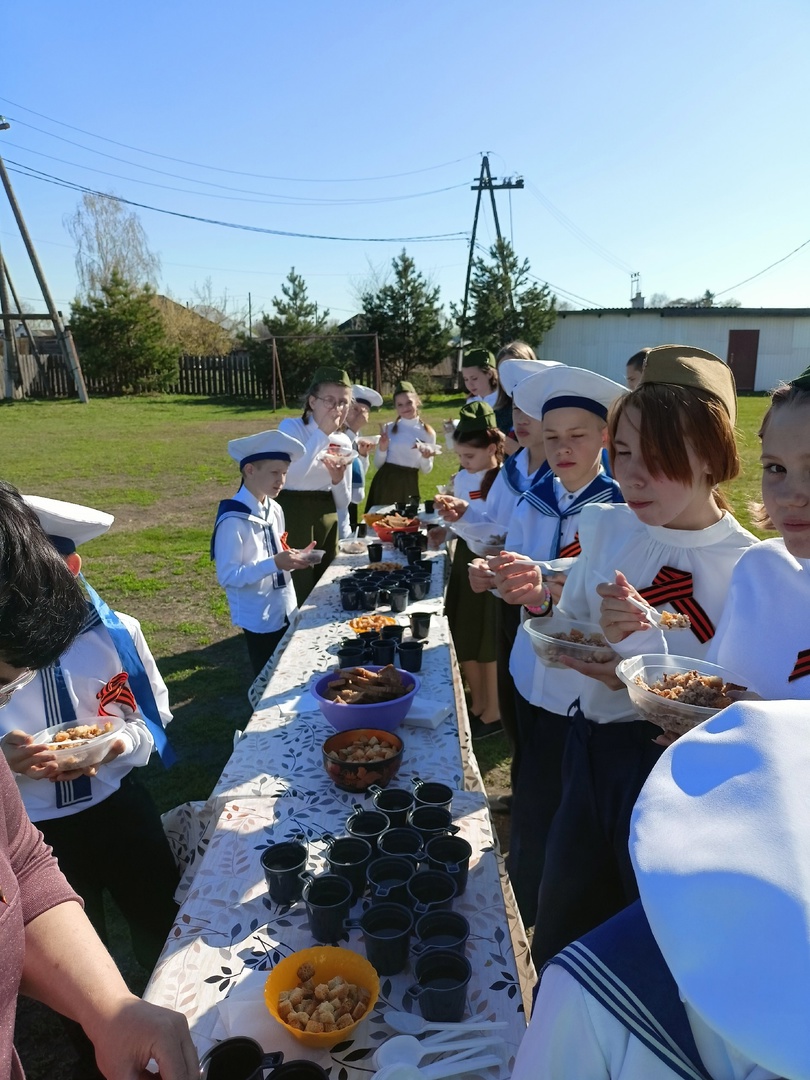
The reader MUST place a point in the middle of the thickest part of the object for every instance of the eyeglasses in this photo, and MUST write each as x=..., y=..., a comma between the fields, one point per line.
x=7, y=691
x=332, y=403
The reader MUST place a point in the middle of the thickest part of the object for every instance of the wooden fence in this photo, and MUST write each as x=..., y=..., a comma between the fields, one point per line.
x=205, y=376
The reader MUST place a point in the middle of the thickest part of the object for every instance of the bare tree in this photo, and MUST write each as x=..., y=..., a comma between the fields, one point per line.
x=108, y=238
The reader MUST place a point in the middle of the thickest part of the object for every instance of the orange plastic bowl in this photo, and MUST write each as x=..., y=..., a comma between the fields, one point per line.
x=387, y=535
x=328, y=961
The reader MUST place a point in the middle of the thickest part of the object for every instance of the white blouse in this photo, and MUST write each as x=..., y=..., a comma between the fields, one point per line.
x=308, y=473
x=402, y=446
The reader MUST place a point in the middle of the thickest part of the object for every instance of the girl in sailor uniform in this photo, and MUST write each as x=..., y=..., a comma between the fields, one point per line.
x=406, y=448
x=677, y=544
x=471, y=616
x=571, y=404
x=249, y=547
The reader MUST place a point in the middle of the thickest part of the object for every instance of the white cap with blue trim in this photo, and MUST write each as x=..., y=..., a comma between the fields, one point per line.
x=512, y=372
x=68, y=524
x=266, y=446
x=364, y=395
x=562, y=387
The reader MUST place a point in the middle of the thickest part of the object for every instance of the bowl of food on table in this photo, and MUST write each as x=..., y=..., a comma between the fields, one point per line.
x=384, y=525
x=677, y=692
x=359, y=757
x=556, y=636
x=78, y=744
x=368, y=696
x=320, y=995
x=364, y=623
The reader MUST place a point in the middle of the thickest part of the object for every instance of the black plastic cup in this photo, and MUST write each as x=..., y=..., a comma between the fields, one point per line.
x=298, y=1070
x=328, y=898
x=401, y=841
x=388, y=878
x=383, y=651
x=430, y=793
x=395, y=803
x=239, y=1058
x=283, y=864
x=350, y=656
x=420, y=622
x=418, y=588
x=369, y=598
x=350, y=599
x=392, y=633
x=451, y=854
x=430, y=821
x=429, y=506
x=441, y=930
x=375, y=550
x=410, y=655
x=440, y=990
x=398, y=598
x=367, y=636
x=368, y=824
x=362, y=529
x=386, y=930
x=349, y=856
x=430, y=890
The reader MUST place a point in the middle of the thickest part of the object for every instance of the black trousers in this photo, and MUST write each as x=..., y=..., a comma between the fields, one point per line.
x=261, y=647
x=588, y=876
x=119, y=846
x=537, y=788
x=507, y=623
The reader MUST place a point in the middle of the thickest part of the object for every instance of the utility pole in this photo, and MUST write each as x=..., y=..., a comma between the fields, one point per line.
x=485, y=182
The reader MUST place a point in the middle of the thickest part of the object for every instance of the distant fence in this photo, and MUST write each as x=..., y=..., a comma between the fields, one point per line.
x=206, y=376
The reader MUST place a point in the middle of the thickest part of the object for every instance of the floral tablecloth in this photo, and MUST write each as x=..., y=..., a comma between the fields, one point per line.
x=228, y=933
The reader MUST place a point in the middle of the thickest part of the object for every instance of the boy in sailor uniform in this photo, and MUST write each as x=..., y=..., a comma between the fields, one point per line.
x=101, y=822
x=364, y=399
x=248, y=544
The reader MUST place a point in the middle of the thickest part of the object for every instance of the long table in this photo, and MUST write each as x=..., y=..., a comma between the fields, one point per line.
x=228, y=933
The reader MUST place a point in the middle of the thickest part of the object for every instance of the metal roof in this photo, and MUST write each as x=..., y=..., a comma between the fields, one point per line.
x=698, y=312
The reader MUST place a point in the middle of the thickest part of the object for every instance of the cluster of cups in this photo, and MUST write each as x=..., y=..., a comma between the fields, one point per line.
x=241, y=1058
x=381, y=646
x=406, y=855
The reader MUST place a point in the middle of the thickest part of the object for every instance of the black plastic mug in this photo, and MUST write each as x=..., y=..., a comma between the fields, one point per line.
x=430, y=793
x=392, y=633
x=369, y=598
x=351, y=655
x=298, y=1070
x=401, y=841
x=420, y=620
x=239, y=1058
x=349, y=856
x=350, y=599
x=386, y=930
x=430, y=890
x=430, y=821
x=441, y=930
x=398, y=598
x=383, y=651
x=414, y=556
x=395, y=803
x=410, y=655
x=368, y=824
x=362, y=529
x=429, y=506
x=375, y=550
x=418, y=590
x=440, y=990
x=328, y=898
x=451, y=854
x=283, y=864
x=388, y=878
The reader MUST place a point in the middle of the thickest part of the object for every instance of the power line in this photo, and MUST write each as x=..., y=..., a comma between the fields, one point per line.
x=48, y=178
x=765, y=271
x=233, y=172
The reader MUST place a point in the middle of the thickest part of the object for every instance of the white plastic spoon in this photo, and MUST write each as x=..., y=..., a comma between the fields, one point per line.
x=410, y=1050
x=410, y=1024
x=442, y=1069
x=656, y=618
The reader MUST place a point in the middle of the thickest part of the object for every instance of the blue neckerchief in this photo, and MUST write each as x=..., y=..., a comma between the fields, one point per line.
x=606, y=462
x=543, y=498
x=357, y=473
x=234, y=508
x=621, y=966
x=515, y=481
x=132, y=664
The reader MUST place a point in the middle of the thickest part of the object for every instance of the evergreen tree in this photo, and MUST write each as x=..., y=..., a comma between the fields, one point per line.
x=505, y=305
x=121, y=338
x=409, y=320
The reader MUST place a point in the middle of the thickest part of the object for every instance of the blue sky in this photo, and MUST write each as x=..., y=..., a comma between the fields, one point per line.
x=671, y=137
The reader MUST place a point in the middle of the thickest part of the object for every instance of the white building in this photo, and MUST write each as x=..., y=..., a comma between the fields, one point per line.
x=762, y=345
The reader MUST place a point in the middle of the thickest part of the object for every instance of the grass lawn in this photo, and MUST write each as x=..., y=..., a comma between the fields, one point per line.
x=160, y=465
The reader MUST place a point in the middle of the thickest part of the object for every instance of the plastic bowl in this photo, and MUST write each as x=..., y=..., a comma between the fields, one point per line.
x=81, y=755
x=387, y=535
x=541, y=631
x=359, y=775
x=387, y=715
x=328, y=961
x=668, y=713
x=482, y=538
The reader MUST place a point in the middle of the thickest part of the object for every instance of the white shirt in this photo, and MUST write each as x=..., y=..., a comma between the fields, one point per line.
x=490, y=399
x=766, y=623
x=502, y=500
x=309, y=474
x=246, y=568
x=572, y=1036
x=401, y=445
x=89, y=663
x=612, y=539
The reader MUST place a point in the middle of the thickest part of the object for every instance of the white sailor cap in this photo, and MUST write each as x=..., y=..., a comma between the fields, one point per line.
x=511, y=372
x=266, y=446
x=561, y=387
x=364, y=395
x=68, y=524
x=720, y=842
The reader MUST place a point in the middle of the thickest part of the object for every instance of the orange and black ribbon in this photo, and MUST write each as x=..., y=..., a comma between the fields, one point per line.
x=115, y=690
x=801, y=667
x=570, y=551
x=671, y=586
x=475, y=494
x=284, y=545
